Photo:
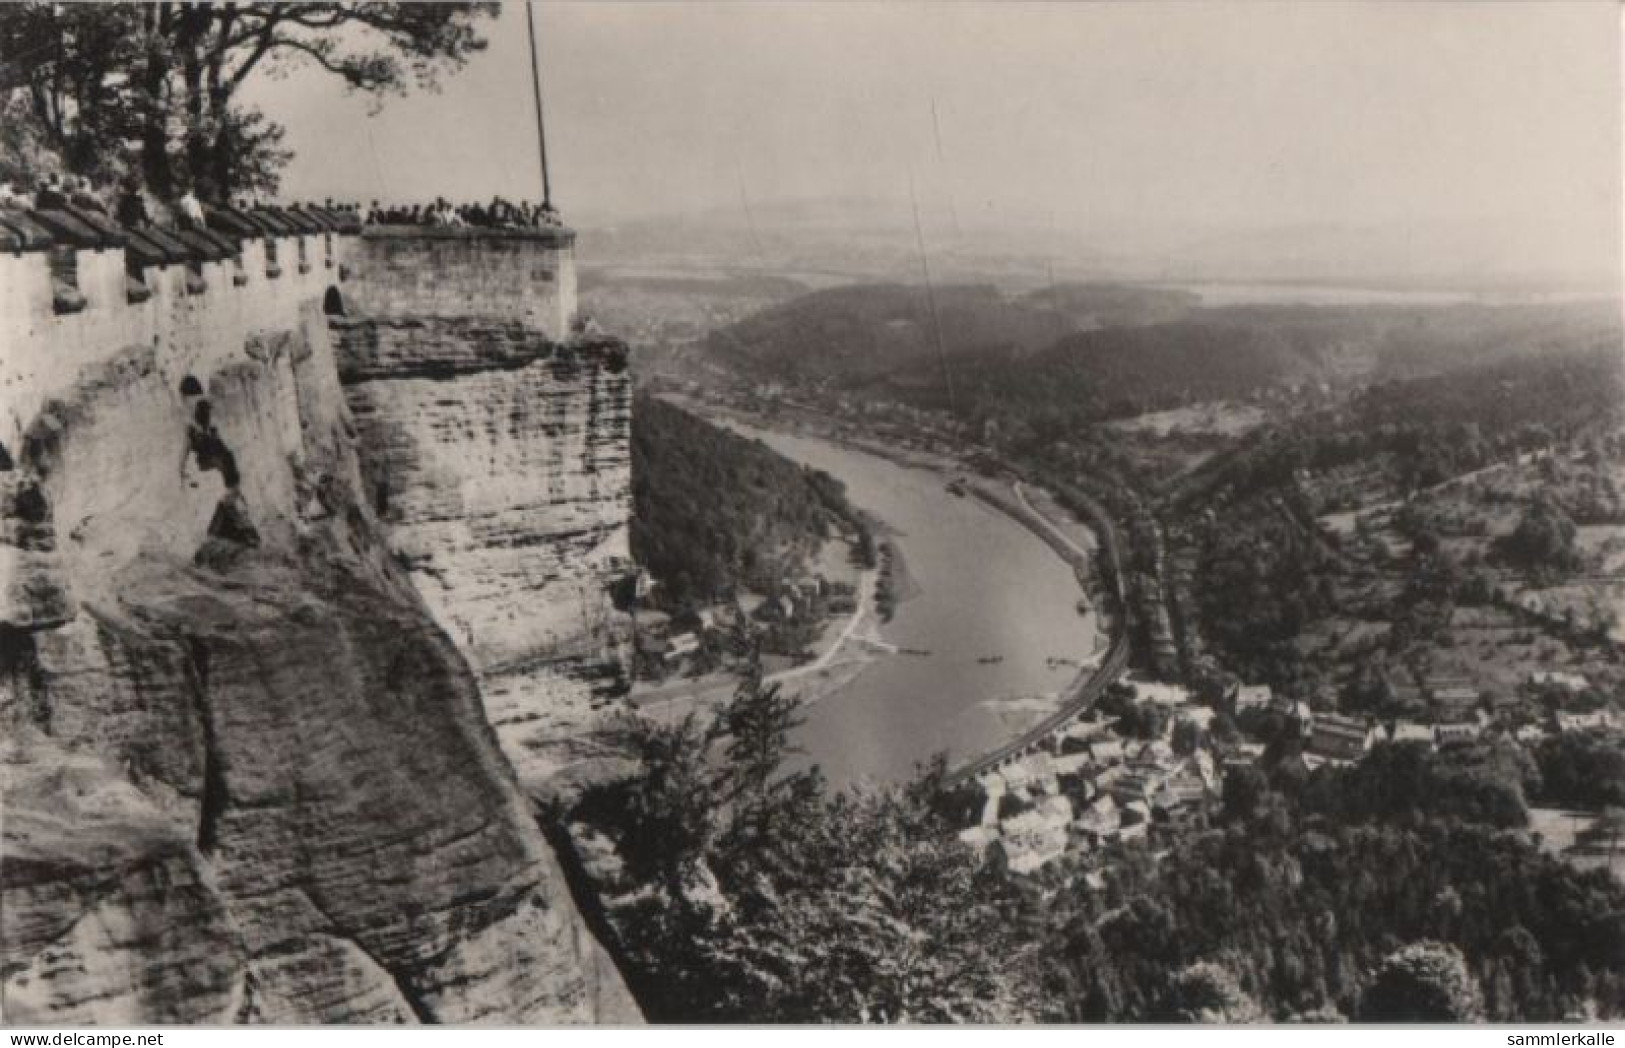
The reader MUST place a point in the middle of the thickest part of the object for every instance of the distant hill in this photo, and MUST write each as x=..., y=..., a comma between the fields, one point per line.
x=1115, y=372
x=1238, y=352
x=855, y=334
x=1097, y=351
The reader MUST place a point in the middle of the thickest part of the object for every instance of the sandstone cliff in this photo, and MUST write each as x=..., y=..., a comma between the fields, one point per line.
x=499, y=462
x=245, y=775
x=496, y=445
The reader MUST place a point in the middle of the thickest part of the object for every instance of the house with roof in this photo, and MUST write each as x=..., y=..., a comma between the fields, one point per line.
x=1201, y=716
x=1035, y=770
x=1410, y=731
x=1457, y=731
x=1595, y=721
x=1056, y=809
x=1156, y=751
x=1138, y=784
x=1529, y=734
x=1107, y=751
x=682, y=644
x=1159, y=693
x=1077, y=735
x=1336, y=738
x=1458, y=702
x=1107, y=778
x=1253, y=697
x=1037, y=837
x=1071, y=764
x=1296, y=709
x=1184, y=786
x=1569, y=682
x=1100, y=817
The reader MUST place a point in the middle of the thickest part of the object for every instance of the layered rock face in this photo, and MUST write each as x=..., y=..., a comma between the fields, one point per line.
x=500, y=462
x=245, y=775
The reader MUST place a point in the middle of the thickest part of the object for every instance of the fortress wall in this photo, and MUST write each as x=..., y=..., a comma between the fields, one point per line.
x=44, y=353
x=517, y=274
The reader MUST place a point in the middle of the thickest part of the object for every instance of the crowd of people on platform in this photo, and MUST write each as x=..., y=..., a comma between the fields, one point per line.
x=498, y=214
x=130, y=207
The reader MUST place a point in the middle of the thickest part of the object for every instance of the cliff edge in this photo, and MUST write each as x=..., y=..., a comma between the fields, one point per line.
x=245, y=775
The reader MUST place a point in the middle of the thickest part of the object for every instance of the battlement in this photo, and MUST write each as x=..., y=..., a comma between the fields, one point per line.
x=68, y=261
x=75, y=288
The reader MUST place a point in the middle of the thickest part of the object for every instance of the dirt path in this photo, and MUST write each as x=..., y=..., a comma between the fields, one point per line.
x=717, y=685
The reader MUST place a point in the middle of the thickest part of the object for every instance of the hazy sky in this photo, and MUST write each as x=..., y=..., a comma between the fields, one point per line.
x=1106, y=115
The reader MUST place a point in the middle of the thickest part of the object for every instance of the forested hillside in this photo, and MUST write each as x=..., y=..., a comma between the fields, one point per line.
x=1118, y=372
x=851, y=335
x=1079, y=354
x=714, y=512
x=1425, y=429
x=1249, y=352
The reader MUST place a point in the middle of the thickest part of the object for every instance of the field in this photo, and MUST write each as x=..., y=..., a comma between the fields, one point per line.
x=1217, y=418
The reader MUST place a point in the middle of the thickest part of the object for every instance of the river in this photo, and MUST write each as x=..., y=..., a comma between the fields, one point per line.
x=986, y=587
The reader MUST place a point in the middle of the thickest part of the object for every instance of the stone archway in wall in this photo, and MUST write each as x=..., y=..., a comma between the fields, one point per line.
x=333, y=303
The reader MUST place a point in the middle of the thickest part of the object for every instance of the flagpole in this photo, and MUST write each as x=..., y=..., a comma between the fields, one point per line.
x=536, y=88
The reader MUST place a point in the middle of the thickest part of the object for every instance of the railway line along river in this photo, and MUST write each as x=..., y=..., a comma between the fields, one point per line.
x=991, y=634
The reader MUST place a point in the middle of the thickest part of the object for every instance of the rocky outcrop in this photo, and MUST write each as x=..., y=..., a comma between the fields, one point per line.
x=499, y=462
x=246, y=776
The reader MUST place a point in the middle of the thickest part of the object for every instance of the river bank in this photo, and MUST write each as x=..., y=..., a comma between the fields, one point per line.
x=993, y=637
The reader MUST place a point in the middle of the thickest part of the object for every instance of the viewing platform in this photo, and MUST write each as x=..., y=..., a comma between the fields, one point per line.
x=555, y=237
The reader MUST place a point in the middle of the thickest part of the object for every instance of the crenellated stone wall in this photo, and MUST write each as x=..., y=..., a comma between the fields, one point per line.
x=196, y=324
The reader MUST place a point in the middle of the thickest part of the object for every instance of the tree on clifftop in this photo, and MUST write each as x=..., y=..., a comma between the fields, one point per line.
x=154, y=87
x=1425, y=982
x=1208, y=993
